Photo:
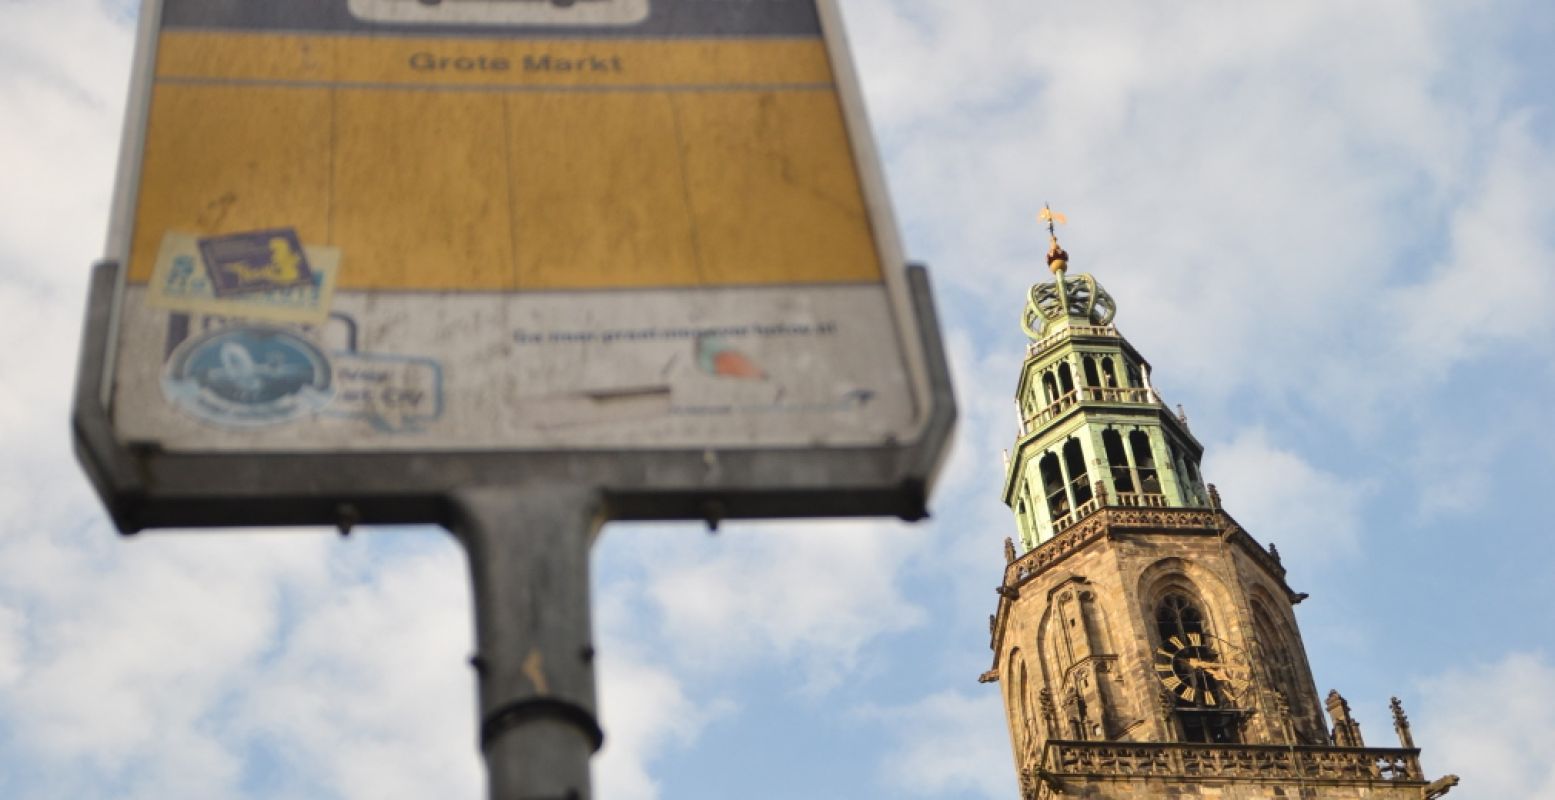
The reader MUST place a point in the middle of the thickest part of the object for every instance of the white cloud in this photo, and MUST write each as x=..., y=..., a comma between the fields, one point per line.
x=13, y=644
x=368, y=692
x=1493, y=286
x=816, y=593
x=1492, y=724
x=985, y=393
x=175, y=665
x=63, y=75
x=129, y=647
x=1311, y=514
x=63, y=72
x=947, y=745
x=646, y=714
x=644, y=704
x=1453, y=472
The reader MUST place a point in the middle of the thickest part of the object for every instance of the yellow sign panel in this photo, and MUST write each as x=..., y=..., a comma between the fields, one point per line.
x=460, y=163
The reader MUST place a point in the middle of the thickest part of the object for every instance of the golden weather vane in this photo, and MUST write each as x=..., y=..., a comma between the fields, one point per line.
x=1057, y=259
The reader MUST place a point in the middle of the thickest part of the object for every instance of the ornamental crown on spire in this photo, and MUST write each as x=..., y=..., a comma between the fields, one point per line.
x=1079, y=299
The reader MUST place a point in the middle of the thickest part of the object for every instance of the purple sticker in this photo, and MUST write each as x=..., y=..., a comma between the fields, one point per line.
x=257, y=261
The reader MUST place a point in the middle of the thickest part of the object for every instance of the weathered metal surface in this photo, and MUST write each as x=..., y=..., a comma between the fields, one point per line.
x=528, y=550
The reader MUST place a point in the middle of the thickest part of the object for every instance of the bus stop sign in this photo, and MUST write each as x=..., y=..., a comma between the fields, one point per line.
x=366, y=252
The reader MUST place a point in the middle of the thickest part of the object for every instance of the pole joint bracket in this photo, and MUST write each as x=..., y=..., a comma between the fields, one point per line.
x=514, y=713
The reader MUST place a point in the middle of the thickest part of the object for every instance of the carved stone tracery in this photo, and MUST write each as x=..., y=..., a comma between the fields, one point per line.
x=1263, y=762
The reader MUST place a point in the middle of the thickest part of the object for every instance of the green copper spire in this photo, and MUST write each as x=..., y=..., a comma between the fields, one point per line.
x=1093, y=432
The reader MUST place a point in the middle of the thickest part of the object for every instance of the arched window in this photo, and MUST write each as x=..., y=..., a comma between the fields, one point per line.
x=1053, y=486
x=1025, y=697
x=1117, y=460
x=1108, y=373
x=1065, y=378
x=1177, y=468
x=1025, y=515
x=1014, y=680
x=1188, y=479
x=1277, y=658
x=1144, y=461
x=1191, y=668
x=1135, y=378
x=1195, y=480
x=1049, y=387
x=1091, y=377
x=1275, y=651
x=1079, y=480
x=1077, y=716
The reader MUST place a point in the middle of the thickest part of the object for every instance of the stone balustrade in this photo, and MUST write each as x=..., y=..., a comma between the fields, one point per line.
x=1064, y=334
x=1186, y=761
x=1140, y=500
x=1050, y=412
x=1090, y=394
x=1121, y=394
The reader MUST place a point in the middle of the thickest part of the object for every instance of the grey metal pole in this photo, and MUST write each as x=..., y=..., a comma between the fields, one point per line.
x=528, y=548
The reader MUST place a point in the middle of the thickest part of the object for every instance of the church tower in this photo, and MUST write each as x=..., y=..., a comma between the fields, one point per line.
x=1145, y=644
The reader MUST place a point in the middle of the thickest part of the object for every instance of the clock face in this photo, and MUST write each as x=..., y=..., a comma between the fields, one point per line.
x=1203, y=670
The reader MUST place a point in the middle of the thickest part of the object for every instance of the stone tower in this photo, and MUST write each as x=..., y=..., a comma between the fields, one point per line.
x=1145, y=644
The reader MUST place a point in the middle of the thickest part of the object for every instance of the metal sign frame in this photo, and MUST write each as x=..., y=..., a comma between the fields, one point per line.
x=146, y=486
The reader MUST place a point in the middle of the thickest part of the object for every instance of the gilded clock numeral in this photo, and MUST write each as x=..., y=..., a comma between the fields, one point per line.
x=1176, y=642
x=1195, y=639
x=1209, y=697
x=1172, y=682
x=1164, y=669
x=1188, y=693
x=1164, y=652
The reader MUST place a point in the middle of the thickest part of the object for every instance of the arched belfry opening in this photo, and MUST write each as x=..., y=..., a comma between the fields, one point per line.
x=1091, y=377
x=1053, y=486
x=1118, y=462
x=1144, y=462
x=1079, y=477
x=1065, y=378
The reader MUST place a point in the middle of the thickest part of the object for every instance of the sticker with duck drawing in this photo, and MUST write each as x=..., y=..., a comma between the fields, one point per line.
x=267, y=275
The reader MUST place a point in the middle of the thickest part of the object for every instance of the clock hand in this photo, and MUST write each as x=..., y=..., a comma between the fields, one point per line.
x=1216, y=669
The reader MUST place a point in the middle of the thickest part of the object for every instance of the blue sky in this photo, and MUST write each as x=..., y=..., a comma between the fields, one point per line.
x=1328, y=228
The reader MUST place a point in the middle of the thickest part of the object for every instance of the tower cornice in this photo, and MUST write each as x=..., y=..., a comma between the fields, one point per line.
x=1105, y=522
x=1111, y=523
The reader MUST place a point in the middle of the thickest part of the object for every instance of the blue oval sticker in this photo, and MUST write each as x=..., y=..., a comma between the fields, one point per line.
x=248, y=376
